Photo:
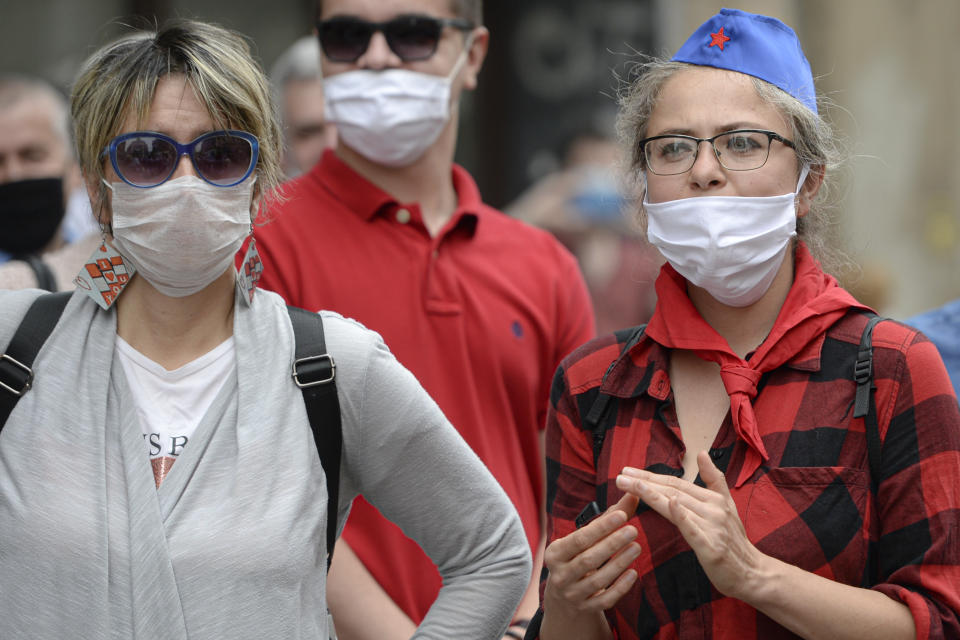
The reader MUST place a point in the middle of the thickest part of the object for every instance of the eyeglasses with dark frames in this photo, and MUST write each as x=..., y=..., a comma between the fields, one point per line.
x=739, y=150
x=411, y=37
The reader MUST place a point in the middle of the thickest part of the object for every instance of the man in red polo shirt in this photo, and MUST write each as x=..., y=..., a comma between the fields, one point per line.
x=387, y=230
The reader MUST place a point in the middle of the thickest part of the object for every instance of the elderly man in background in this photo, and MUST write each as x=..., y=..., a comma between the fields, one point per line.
x=38, y=173
x=298, y=91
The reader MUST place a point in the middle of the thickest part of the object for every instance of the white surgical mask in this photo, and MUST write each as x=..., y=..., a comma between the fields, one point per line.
x=390, y=117
x=183, y=234
x=729, y=245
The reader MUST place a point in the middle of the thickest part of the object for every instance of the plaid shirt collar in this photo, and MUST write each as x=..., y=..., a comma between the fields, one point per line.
x=644, y=369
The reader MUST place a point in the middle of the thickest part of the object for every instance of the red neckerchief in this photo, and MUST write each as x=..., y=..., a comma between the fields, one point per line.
x=814, y=303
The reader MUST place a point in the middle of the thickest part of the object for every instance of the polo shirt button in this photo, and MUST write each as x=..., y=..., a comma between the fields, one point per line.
x=403, y=216
x=435, y=254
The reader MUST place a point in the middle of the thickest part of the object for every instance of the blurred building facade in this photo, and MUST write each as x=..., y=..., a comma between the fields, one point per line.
x=888, y=65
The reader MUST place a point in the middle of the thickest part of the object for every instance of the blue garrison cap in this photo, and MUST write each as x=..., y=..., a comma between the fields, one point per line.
x=757, y=45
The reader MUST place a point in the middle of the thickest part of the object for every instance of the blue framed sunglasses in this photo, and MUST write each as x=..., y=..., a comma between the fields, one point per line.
x=147, y=159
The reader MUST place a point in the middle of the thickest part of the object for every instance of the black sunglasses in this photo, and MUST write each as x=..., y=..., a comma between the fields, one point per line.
x=344, y=38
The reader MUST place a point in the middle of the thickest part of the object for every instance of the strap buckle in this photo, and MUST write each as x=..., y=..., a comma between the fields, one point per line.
x=863, y=367
x=322, y=366
x=15, y=376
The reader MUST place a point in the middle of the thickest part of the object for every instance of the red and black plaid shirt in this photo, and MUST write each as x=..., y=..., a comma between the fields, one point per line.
x=810, y=504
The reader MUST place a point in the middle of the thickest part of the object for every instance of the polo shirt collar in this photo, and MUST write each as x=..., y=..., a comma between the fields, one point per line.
x=367, y=199
x=356, y=192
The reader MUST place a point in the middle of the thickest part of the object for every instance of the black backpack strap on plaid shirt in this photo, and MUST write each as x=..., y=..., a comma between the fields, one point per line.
x=601, y=406
x=16, y=374
x=595, y=421
x=314, y=371
x=864, y=403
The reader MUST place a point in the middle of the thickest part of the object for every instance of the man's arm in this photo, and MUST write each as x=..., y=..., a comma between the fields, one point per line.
x=531, y=598
x=353, y=595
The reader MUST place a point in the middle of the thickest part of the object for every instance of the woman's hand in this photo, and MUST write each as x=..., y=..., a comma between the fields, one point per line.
x=589, y=572
x=707, y=519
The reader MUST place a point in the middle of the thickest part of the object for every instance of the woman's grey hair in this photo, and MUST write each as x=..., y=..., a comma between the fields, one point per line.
x=816, y=145
x=120, y=79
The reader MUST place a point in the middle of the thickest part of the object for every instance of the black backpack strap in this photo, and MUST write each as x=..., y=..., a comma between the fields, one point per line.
x=314, y=371
x=16, y=375
x=533, y=628
x=595, y=422
x=600, y=406
x=45, y=278
x=864, y=404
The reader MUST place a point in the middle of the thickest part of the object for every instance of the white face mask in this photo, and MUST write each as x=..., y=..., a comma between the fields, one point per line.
x=183, y=234
x=390, y=117
x=730, y=246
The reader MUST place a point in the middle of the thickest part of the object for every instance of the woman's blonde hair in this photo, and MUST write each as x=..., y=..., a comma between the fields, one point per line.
x=816, y=145
x=121, y=78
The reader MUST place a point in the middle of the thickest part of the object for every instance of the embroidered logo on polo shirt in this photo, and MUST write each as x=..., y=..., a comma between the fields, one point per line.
x=517, y=329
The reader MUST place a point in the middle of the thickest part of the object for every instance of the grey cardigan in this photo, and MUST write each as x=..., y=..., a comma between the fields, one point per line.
x=232, y=544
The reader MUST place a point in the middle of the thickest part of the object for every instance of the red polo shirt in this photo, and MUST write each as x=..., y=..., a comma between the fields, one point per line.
x=481, y=314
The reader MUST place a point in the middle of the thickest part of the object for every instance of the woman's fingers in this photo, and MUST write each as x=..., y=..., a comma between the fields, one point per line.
x=706, y=517
x=627, y=504
x=608, y=596
x=712, y=477
x=589, y=568
x=666, y=481
x=569, y=566
x=594, y=583
x=569, y=547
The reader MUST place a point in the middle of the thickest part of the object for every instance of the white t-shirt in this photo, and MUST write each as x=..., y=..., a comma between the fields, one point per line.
x=170, y=404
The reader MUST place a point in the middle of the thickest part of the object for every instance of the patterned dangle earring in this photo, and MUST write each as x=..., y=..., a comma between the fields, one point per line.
x=105, y=274
x=250, y=269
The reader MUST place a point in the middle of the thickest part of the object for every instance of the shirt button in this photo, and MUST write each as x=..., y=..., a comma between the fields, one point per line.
x=403, y=216
x=435, y=254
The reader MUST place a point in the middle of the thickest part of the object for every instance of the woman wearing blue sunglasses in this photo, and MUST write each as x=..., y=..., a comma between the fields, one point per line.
x=160, y=478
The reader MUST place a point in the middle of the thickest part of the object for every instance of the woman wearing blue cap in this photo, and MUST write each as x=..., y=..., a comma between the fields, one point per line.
x=775, y=462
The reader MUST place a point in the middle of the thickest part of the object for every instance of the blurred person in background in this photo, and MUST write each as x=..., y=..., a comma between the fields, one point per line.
x=38, y=177
x=769, y=472
x=222, y=533
x=942, y=326
x=583, y=205
x=298, y=92
x=386, y=229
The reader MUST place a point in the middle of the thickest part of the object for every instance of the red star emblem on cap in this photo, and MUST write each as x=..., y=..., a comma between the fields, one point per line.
x=717, y=39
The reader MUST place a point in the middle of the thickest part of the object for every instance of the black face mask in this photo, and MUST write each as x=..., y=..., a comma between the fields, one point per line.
x=30, y=214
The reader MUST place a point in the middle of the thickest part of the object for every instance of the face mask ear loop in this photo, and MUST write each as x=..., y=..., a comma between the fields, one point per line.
x=104, y=228
x=804, y=172
x=462, y=59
